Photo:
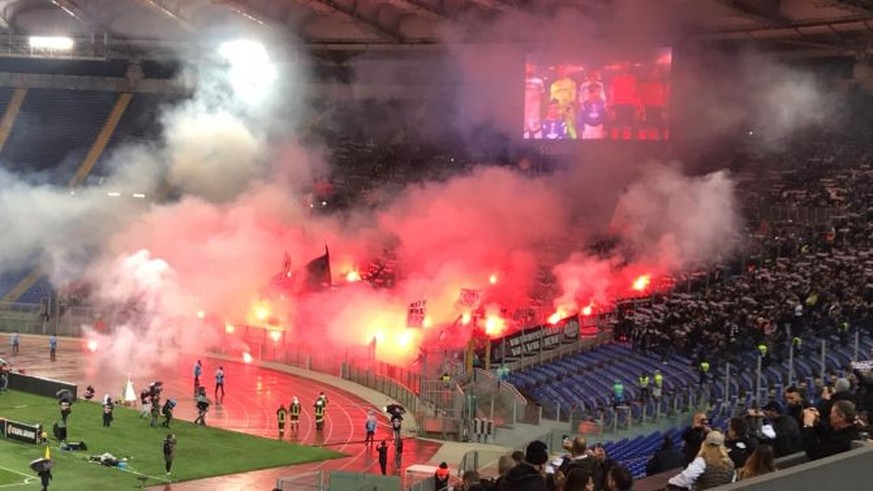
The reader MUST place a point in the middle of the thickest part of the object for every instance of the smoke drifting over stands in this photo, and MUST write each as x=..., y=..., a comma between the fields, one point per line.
x=236, y=162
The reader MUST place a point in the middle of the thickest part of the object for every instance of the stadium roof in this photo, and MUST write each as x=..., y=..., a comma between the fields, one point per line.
x=814, y=26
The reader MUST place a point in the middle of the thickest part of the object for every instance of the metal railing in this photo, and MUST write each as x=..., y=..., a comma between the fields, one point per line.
x=394, y=389
x=91, y=47
x=309, y=481
x=498, y=400
x=25, y=318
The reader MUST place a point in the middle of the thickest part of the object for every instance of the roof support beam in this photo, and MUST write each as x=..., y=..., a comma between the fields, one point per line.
x=766, y=11
x=4, y=19
x=243, y=9
x=418, y=8
x=495, y=5
x=162, y=7
x=76, y=11
x=860, y=7
x=354, y=14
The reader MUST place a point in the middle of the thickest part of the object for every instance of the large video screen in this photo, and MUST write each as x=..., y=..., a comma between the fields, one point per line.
x=577, y=99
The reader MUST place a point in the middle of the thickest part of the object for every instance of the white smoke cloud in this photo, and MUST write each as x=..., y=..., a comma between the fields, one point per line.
x=212, y=154
x=667, y=222
x=679, y=220
x=217, y=247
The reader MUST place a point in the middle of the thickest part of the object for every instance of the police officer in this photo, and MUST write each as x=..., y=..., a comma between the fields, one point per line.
x=762, y=350
x=797, y=343
x=843, y=328
x=658, y=386
x=281, y=413
x=704, y=371
x=644, y=387
x=446, y=379
x=295, y=415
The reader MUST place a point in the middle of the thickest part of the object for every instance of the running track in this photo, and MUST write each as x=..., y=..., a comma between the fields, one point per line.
x=253, y=395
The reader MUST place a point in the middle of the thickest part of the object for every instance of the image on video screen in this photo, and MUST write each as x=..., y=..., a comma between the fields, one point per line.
x=571, y=99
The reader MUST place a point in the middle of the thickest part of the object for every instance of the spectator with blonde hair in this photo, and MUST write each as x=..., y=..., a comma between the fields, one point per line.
x=712, y=467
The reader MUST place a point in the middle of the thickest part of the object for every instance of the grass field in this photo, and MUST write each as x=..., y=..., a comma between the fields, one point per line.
x=9, y=479
x=200, y=452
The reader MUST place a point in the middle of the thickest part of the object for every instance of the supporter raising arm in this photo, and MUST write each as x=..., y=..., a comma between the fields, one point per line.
x=819, y=443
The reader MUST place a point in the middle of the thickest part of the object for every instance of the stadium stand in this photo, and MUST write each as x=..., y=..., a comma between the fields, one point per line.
x=138, y=124
x=66, y=126
x=809, y=270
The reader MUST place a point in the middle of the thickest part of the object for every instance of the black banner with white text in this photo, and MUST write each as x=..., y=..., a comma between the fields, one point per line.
x=532, y=341
x=21, y=431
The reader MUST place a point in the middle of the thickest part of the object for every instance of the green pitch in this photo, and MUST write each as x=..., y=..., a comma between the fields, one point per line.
x=200, y=452
x=9, y=479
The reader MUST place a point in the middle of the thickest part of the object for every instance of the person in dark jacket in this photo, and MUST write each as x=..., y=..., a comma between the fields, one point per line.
x=783, y=433
x=578, y=480
x=694, y=435
x=472, y=482
x=45, y=476
x=619, y=478
x=740, y=444
x=382, y=449
x=529, y=475
x=108, y=406
x=169, y=452
x=794, y=403
x=818, y=442
x=579, y=458
x=504, y=465
x=842, y=391
x=668, y=457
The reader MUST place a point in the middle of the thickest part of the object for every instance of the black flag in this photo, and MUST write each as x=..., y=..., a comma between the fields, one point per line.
x=318, y=272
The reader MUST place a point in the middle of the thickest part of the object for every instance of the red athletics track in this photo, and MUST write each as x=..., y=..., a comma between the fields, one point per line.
x=253, y=395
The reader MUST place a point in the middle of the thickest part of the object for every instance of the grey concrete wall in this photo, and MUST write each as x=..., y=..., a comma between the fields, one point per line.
x=847, y=471
x=851, y=470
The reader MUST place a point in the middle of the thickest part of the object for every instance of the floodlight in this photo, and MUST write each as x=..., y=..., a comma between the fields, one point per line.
x=58, y=43
x=244, y=51
x=251, y=73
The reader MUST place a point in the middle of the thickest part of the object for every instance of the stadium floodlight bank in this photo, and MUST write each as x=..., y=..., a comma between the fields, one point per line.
x=55, y=43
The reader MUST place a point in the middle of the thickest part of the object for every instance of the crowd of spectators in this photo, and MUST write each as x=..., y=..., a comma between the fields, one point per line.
x=753, y=439
x=806, y=273
x=579, y=468
x=798, y=278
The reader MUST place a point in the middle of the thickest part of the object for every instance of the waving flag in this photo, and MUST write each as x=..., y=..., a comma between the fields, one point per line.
x=470, y=298
x=318, y=272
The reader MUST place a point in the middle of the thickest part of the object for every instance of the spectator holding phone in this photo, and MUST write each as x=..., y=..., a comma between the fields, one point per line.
x=694, y=436
x=818, y=442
